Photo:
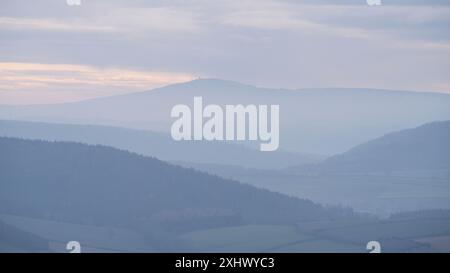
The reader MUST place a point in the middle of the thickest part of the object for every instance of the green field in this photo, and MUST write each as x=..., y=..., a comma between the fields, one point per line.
x=264, y=238
x=398, y=235
x=92, y=238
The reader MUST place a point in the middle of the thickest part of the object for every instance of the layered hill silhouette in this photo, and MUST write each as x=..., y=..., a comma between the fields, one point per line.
x=400, y=171
x=114, y=200
x=159, y=145
x=425, y=148
x=99, y=185
x=317, y=121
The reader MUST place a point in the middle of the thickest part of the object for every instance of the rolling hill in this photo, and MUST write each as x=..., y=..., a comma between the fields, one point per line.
x=422, y=149
x=112, y=200
x=101, y=186
x=400, y=171
x=316, y=121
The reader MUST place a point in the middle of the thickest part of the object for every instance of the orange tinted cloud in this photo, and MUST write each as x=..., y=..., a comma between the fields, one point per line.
x=27, y=82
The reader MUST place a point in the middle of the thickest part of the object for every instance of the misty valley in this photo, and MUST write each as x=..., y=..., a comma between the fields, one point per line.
x=121, y=183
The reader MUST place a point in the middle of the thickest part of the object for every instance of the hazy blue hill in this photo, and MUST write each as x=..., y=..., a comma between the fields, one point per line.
x=113, y=200
x=423, y=148
x=13, y=239
x=401, y=171
x=99, y=185
x=155, y=144
x=317, y=121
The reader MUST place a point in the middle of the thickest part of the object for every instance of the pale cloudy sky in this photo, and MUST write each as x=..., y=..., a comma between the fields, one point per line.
x=53, y=52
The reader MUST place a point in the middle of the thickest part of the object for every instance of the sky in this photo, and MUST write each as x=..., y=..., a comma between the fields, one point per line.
x=53, y=52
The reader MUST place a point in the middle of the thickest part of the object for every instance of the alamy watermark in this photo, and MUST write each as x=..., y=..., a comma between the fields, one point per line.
x=374, y=247
x=374, y=2
x=73, y=2
x=73, y=247
x=213, y=122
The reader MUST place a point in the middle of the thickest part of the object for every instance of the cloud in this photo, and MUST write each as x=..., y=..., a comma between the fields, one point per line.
x=348, y=19
x=11, y=23
x=422, y=26
x=286, y=43
x=288, y=20
x=69, y=82
x=110, y=19
x=363, y=2
x=167, y=19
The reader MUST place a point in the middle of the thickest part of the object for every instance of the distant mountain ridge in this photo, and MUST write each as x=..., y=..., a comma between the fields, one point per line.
x=315, y=121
